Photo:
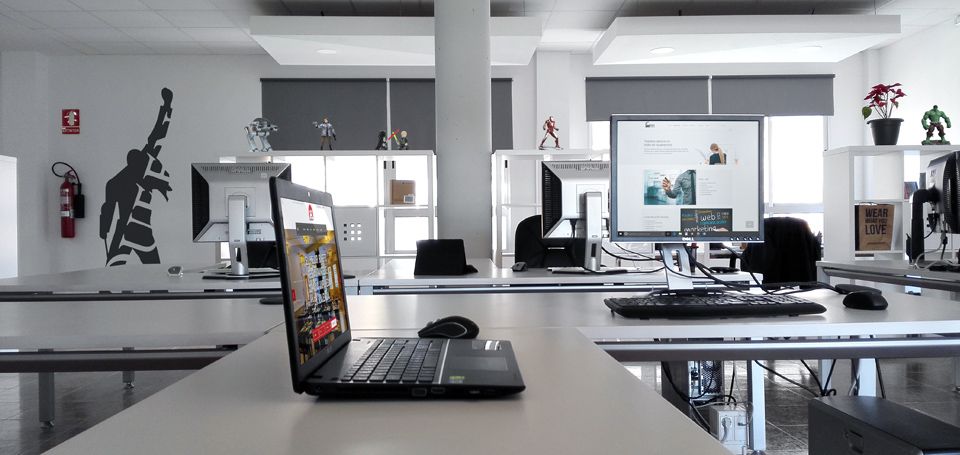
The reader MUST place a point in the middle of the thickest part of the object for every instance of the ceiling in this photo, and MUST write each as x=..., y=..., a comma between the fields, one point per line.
x=222, y=26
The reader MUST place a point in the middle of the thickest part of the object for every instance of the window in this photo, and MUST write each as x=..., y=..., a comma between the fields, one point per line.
x=599, y=135
x=794, y=168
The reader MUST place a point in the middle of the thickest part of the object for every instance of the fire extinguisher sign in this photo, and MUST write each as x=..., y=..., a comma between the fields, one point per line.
x=70, y=121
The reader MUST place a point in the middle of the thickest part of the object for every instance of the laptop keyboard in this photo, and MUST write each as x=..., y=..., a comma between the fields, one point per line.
x=397, y=360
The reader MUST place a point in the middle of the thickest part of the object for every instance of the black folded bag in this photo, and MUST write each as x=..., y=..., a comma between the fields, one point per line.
x=442, y=257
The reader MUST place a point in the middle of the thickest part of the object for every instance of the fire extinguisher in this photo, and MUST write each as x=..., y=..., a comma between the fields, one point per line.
x=71, y=200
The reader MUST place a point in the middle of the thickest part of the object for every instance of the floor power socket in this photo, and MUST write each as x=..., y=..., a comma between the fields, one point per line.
x=728, y=423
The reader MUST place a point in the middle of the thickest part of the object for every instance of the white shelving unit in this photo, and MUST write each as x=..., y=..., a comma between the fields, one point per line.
x=516, y=191
x=361, y=180
x=870, y=174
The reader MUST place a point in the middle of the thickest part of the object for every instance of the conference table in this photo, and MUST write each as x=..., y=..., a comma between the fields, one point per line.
x=245, y=402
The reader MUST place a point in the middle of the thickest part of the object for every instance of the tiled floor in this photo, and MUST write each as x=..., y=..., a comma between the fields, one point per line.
x=84, y=399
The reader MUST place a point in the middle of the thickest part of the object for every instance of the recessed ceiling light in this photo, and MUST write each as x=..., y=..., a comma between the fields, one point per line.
x=327, y=51
x=662, y=50
x=812, y=48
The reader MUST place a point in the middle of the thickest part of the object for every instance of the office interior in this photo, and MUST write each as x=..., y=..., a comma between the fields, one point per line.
x=94, y=88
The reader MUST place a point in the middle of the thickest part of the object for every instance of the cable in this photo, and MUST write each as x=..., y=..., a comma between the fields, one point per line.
x=696, y=413
x=814, y=375
x=644, y=256
x=733, y=380
x=883, y=391
x=624, y=258
x=53, y=168
x=830, y=392
x=786, y=378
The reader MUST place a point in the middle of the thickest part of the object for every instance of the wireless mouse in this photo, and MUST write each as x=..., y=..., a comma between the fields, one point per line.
x=450, y=327
x=519, y=266
x=865, y=300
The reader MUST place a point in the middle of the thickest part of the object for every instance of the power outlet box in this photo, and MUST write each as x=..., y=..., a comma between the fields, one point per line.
x=728, y=423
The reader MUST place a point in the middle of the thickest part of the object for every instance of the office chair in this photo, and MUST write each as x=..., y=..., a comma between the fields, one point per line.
x=530, y=246
x=789, y=252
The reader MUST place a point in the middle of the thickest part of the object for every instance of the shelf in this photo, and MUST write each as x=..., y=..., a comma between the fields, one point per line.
x=335, y=153
x=880, y=201
x=549, y=151
x=404, y=207
x=879, y=252
x=873, y=150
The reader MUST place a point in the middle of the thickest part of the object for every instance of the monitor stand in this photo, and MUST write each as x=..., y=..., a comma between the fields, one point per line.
x=237, y=236
x=679, y=279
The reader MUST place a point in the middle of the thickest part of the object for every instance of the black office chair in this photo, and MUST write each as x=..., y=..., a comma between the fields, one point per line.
x=789, y=252
x=537, y=252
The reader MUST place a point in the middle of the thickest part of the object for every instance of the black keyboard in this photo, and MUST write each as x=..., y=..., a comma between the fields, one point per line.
x=397, y=360
x=715, y=305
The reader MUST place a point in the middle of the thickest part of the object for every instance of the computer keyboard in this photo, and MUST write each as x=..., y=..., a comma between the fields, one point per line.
x=714, y=305
x=397, y=360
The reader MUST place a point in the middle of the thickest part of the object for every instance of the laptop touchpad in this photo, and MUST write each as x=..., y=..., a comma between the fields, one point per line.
x=477, y=363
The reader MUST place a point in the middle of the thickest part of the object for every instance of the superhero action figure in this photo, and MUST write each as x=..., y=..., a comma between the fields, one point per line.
x=402, y=143
x=382, y=141
x=550, y=126
x=931, y=121
x=327, y=133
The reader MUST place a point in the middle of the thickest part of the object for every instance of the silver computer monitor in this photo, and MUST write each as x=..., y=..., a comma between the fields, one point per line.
x=231, y=203
x=575, y=204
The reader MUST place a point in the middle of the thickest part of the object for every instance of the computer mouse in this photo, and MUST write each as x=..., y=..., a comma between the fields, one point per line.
x=865, y=300
x=175, y=271
x=519, y=266
x=450, y=327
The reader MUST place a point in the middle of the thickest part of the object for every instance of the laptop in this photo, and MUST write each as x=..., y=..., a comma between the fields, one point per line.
x=325, y=358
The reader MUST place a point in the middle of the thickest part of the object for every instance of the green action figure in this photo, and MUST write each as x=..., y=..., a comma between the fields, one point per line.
x=931, y=120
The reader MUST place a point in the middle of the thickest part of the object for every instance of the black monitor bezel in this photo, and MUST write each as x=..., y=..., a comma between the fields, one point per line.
x=737, y=236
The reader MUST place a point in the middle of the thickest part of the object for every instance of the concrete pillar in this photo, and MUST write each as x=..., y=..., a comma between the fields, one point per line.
x=462, y=35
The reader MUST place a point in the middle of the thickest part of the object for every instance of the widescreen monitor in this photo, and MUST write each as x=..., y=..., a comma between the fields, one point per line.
x=686, y=178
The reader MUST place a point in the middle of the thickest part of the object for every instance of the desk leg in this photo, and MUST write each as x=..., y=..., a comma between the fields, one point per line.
x=824, y=370
x=758, y=407
x=128, y=376
x=866, y=369
x=47, y=396
x=956, y=374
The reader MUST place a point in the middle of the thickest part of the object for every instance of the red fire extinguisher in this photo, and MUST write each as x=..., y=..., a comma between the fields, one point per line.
x=68, y=224
x=71, y=200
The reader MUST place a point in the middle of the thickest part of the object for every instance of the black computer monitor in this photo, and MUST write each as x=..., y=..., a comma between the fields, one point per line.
x=575, y=205
x=231, y=203
x=677, y=179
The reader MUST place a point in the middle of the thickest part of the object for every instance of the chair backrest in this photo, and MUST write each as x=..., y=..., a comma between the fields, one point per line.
x=530, y=246
x=789, y=252
x=440, y=257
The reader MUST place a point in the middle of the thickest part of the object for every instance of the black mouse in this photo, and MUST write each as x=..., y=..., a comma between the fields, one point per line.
x=519, y=266
x=865, y=300
x=450, y=327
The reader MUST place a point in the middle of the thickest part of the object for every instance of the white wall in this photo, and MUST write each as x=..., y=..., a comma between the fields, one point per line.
x=928, y=65
x=118, y=97
x=8, y=223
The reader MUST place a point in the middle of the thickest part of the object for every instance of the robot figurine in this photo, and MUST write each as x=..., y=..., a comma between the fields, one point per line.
x=934, y=120
x=382, y=141
x=260, y=128
x=327, y=133
x=550, y=128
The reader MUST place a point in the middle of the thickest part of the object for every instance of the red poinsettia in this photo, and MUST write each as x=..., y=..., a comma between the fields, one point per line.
x=883, y=98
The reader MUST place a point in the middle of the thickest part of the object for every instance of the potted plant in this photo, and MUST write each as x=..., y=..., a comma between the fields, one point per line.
x=883, y=99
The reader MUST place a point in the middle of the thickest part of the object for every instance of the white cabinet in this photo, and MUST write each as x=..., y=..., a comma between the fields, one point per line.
x=870, y=174
x=516, y=191
x=360, y=181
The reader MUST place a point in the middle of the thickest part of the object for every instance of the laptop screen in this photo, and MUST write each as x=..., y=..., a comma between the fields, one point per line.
x=314, y=279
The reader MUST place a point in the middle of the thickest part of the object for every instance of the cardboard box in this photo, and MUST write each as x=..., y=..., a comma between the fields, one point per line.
x=403, y=192
x=874, y=227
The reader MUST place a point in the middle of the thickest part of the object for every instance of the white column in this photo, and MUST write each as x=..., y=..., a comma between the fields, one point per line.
x=462, y=35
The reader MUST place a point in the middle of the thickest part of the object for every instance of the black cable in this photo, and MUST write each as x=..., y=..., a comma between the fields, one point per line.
x=53, y=168
x=733, y=380
x=644, y=256
x=830, y=392
x=814, y=375
x=883, y=391
x=624, y=258
x=786, y=379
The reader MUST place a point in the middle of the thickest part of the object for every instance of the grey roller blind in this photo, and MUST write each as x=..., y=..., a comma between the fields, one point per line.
x=774, y=95
x=645, y=95
x=413, y=109
x=356, y=107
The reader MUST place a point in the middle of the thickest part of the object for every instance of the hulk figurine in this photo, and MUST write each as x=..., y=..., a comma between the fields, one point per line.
x=931, y=120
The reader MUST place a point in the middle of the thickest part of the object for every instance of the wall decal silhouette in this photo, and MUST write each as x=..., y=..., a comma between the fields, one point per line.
x=125, y=215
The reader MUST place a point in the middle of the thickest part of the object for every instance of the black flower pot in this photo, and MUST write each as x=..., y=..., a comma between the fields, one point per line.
x=886, y=131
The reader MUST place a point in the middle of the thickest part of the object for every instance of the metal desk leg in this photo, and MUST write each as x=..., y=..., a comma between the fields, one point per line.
x=128, y=376
x=758, y=410
x=956, y=374
x=866, y=369
x=47, y=396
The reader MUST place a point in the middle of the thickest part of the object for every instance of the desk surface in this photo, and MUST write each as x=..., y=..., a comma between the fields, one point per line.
x=137, y=323
x=244, y=403
x=399, y=272
x=586, y=311
x=897, y=272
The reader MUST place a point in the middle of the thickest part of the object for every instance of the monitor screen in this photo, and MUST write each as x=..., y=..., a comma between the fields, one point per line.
x=313, y=276
x=686, y=178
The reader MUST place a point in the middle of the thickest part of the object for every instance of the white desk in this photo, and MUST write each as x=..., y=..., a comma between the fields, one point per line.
x=893, y=272
x=244, y=404
x=396, y=277
x=124, y=335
